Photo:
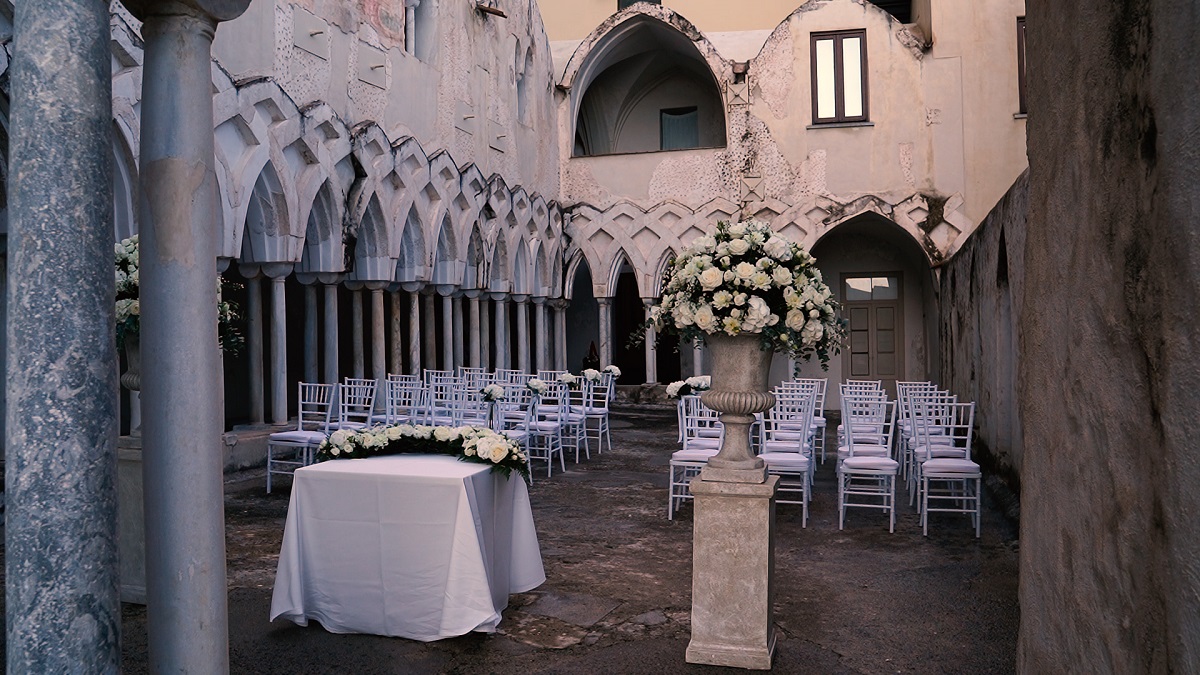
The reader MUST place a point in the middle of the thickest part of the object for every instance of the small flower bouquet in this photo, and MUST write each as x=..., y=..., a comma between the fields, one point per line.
x=568, y=379
x=469, y=444
x=538, y=387
x=592, y=375
x=616, y=372
x=745, y=279
x=692, y=385
x=492, y=393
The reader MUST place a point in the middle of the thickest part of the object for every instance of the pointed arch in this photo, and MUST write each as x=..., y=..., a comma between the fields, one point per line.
x=475, y=261
x=522, y=274
x=447, y=269
x=323, y=246
x=501, y=281
x=265, y=234
x=410, y=265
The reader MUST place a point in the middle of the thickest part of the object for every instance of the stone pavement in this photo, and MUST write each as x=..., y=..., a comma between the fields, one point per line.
x=617, y=594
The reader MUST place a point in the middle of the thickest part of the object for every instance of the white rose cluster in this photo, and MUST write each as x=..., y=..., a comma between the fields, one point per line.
x=470, y=443
x=536, y=386
x=746, y=279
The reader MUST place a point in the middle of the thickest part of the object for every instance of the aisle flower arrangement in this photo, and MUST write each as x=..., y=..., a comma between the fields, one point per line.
x=492, y=393
x=468, y=444
x=129, y=311
x=746, y=279
x=592, y=375
x=616, y=372
x=538, y=387
x=692, y=385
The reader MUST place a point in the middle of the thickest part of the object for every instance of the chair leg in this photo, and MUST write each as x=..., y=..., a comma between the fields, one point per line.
x=892, y=507
x=841, y=501
x=269, y=461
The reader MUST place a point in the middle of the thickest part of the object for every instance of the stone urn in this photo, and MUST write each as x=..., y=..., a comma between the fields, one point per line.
x=131, y=379
x=740, y=372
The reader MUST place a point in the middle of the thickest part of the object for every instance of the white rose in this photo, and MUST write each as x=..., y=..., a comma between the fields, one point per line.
x=705, y=319
x=442, y=433
x=684, y=315
x=745, y=270
x=711, y=278
x=339, y=437
x=737, y=229
x=739, y=246
x=812, y=333
x=795, y=320
x=782, y=277
x=499, y=451
x=778, y=248
x=740, y=299
x=335, y=451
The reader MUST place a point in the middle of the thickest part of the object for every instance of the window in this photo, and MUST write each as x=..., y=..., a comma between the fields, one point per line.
x=622, y=4
x=839, y=76
x=1021, y=65
x=679, y=128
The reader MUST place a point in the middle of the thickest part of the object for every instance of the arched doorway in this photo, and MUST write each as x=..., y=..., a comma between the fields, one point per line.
x=583, y=320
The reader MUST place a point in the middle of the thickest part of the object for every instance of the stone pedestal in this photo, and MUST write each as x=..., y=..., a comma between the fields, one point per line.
x=733, y=566
x=131, y=524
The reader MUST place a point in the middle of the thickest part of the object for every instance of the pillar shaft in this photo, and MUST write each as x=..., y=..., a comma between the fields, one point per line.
x=396, y=344
x=698, y=360
x=447, y=333
x=278, y=352
x=542, y=335
x=475, y=325
x=414, y=333
x=605, y=310
x=356, y=332
x=523, y=335
x=458, y=332
x=651, y=349
x=310, y=333
x=502, y=349
x=378, y=340
x=429, y=332
x=187, y=619
x=64, y=613
x=560, y=336
x=331, y=334
x=485, y=341
x=254, y=349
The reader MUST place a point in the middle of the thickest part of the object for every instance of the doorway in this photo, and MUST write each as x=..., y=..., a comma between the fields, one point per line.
x=874, y=308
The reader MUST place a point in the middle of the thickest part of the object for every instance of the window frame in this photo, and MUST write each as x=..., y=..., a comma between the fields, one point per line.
x=839, y=88
x=1022, y=108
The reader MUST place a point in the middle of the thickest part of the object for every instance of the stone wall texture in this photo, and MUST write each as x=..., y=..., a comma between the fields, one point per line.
x=981, y=291
x=1110, y=368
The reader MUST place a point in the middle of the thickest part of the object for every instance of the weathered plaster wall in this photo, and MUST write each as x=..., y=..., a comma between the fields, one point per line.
x=980, y=302
x=1110, y=368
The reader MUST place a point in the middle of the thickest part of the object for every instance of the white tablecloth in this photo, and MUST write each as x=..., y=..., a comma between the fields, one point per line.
x=415, y=546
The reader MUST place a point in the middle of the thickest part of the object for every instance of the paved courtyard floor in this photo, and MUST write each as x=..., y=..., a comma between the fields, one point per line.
x=618, y=587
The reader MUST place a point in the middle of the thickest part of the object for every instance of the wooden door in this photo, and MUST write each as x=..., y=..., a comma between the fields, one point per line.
x=874, y=350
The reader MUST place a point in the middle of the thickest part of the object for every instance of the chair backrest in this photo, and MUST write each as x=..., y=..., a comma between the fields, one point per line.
x=954, y=421
x=871, y=418
x=357, y=400
x=507, y=375
x=792, y=414
x=429, y=375
x=699, y=421
x=403, y=399
x=469, y=408
x=553, y=403
x=316, y=403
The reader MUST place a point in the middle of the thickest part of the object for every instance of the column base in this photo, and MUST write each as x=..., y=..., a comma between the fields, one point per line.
x=715, y=474
x=733, y=568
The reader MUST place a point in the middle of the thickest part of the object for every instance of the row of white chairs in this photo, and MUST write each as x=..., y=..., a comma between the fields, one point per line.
x=546, y=425
x=924, y=437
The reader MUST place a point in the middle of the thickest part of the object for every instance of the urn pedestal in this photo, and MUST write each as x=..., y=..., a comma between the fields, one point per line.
x=733, y=547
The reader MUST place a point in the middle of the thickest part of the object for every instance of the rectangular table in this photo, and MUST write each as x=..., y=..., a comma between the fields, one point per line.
x=415, y=546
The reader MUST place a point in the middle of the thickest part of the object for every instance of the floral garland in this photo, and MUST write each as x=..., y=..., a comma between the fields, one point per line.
x=694, y=384
x=744, y=278
x=469, y=444
x=129, y=310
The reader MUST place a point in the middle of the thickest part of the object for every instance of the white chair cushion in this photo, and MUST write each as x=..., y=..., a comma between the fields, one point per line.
x=691, y=455
x=308, y=437
x=785, y=460
x=949, y=466
x=784, y=446
x=865, y=450
x=870, y=464
x=942, y=440
x=925, y=453
x=703, y=443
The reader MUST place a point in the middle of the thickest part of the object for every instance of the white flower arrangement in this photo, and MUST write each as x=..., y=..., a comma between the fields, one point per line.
x=492, y=393
x=536, y=386
x=746, y=279
x=616, y=372
x=691, y=385
x=591, y=375
x=129, y=311
x=568, y=379
x=469, y=444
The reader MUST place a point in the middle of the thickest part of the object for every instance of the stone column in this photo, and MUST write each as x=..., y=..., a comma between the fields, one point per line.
x=64, y=613
x=277, y=272
x=560, y=334
x=697, y=359
x=414, y=328
x=473, y=352
x=522, y=332
x=605, y=311
x=310, y=333
x=501, y=339
x=378, y=340
x=651, y=346
x=254, y=344
x=429, y=342
x=485, y=341
x=447, y=333
x=543, y=333
x=331, y=332
x=356, y=331
x=410, y=25
x=187, y=620
x=395, y=362
x=458, y=330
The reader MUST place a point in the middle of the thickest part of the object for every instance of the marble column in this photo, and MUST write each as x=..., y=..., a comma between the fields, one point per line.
x=473, y=351
x=279, y=413
x=560, y=334
x=485, y=333
x=358, y=364
x=605, y=311
x=187, y=611
x=522, y=333
x=651, y=344
x=310, y=333
x=395, y=362
x=332, y=370
x=447, y=333
x=459, y=329
x=429, y=341
x=254, y=345
x=697, y=359
x=378, y=341
x=501, y=338
x=64, y=613
x=414, y=330
x=543, y=334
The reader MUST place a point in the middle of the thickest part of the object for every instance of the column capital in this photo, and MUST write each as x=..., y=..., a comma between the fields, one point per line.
x=412, y=286
x=603, y=301
x=330, y=278
x=251, y=270
x=355, y=285
x=499, y=297
x=215, y=10
x=538, y=300
x=472, y=293
x=305, y=278
x=446, y=290
x=560, y=304
x=276, y=270
x=650, y=302
x=520, y=299
x=376, y=286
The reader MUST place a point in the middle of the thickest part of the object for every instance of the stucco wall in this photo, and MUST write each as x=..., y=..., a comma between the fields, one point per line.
x=1110, y=369
x=980, y=301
